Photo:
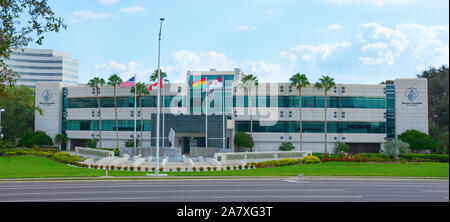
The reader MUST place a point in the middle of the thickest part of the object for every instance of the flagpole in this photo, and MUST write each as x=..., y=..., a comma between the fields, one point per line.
x=206, y=117
x=159, y=102
x=135, y=114
x=223, y=111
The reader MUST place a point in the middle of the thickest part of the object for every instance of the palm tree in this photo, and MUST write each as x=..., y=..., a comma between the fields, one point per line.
x=299, y=81
x=249, y=82
x=141, y=91
x=325, y=83
x=60, y=139
x=96, y=82
x=114, y=81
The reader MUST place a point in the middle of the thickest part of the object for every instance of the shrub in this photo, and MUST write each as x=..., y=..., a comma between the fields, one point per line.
x=95, y=166
x=92, y=143
x=106, y=167
x=125, y=168
x=153, y=169
x=228, y=167
x=395, y=147
x=286, y=146
x=417, y=140
x=418, y=157
x=138, y=168
x=178, y=169
x=170, y=170
x=161, y=169
x=310, y=159
x=101, y=167
x=215, y=168
x=113, y=167
x=246, y=166
x=252, y=166
x=201, y=169
x=243, y=140
x=131, y=168
x=186, y=169
x=38, y=138
x=234, y=167
x=208, y=168
x=194, y=169
x=240, y=167
x=119, y=167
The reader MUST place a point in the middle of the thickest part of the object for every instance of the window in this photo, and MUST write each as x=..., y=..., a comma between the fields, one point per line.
x=343, y=89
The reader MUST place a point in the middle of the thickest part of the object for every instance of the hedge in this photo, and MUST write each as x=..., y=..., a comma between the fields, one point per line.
x=379, y=157
x=53, y=154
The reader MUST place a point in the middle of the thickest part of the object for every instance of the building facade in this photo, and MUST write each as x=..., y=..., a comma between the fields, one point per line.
x=361, y=115
x=43, y=65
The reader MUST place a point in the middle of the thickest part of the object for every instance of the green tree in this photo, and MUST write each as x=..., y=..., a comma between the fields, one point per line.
x=38, y=138
x=341, y=148
x=18, y=117
x=286, y=146
x=141, y=91
x=325, y=83
x=22, y=21
x=395, y=147
x=249, y=82
x=60, y=139
x=243, y=140
x=130, y=143
x=114, y=80
x=300, y=81
x=418, y=141
x=438, y=104
x=92, y=143
x=95, y=83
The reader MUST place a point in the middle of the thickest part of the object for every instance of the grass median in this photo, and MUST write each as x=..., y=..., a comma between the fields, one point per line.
x=40, y=167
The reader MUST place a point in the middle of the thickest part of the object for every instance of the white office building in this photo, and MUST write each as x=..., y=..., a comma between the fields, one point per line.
x=43, y=65
x=361, y=115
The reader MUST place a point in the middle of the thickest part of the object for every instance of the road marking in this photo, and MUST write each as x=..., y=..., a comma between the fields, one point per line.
x=435, y=191
x=196, y=197
x=166, y=191
x=296, y=181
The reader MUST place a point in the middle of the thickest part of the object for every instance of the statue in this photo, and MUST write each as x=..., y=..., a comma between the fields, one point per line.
x=172, y=138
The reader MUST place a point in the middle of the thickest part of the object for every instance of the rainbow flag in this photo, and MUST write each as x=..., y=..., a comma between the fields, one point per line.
x=199, y=83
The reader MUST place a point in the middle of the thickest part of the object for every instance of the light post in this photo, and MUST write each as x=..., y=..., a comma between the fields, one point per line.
x=1, y=110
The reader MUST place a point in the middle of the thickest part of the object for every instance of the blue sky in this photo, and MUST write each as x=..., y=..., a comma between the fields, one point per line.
x=354, y=41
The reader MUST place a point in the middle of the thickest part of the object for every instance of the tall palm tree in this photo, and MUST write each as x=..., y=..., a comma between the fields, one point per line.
x=141, y=90
x=114, y=80
x=299, y=81
x=325, y=83
x=96, y=82
x=249, y=82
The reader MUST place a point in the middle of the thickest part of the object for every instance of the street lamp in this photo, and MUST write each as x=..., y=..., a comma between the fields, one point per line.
x=1, y=110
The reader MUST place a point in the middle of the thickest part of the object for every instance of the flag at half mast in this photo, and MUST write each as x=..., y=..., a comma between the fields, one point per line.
x=199, y=83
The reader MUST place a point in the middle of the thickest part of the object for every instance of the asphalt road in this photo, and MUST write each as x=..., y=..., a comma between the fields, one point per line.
x=228, y=190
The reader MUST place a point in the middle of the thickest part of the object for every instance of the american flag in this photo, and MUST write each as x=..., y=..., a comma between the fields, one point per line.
x=128, y=83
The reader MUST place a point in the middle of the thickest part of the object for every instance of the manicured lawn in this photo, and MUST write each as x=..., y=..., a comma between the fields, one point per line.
x=38, y=167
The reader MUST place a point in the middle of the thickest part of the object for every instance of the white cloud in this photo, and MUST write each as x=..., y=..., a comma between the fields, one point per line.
x=413, y=44
x=378, y=3
x=108, y=1
x=335, y=26
x=132, y=10
x=310, y=53
x=125, y=71
x=85, y=15
x=244, y=27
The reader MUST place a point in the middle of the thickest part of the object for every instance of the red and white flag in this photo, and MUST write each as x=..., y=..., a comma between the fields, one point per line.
x=155, y=85
x=217, y=83
x=128, y=83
